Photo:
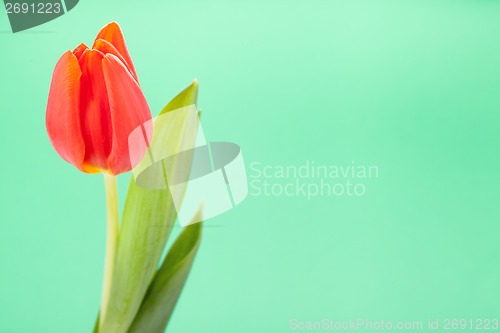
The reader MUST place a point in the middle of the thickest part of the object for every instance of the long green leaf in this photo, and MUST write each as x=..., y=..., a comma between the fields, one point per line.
x=167, y=285
x=147, y=221
x=186, y=97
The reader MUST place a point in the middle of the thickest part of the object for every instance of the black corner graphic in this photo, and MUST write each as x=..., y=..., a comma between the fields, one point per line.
x=26, y=14
x=70, y=4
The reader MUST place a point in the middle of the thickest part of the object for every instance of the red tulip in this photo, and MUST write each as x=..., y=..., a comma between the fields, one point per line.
x=94, y=103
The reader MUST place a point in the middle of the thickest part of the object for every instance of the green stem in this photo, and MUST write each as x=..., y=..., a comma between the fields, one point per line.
x=111, y=241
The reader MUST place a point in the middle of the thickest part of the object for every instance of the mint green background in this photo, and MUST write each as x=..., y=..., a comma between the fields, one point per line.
x=410, y=86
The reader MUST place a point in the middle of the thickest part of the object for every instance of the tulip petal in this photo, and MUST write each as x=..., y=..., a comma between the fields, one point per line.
x=62, y=118
x=129, y=110
x=94, y=112
x=79, y=50
x=112, y=33
x=106, y=47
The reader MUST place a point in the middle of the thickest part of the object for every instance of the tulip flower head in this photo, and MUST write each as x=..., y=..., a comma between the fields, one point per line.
x=94, y=103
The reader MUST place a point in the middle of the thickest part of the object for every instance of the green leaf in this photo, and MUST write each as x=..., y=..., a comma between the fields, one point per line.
x=186, y=97
x=166, y=288
x=96, y=325
x=147, y=221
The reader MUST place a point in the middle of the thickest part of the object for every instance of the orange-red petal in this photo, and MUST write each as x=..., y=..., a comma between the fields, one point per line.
x=94, y=112
x=129, y=110
x=79, y=50
x=113, y=34
x=63, y=118
x=106, y=47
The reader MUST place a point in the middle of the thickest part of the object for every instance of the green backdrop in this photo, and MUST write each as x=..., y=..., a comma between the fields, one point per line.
x=412, y=87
